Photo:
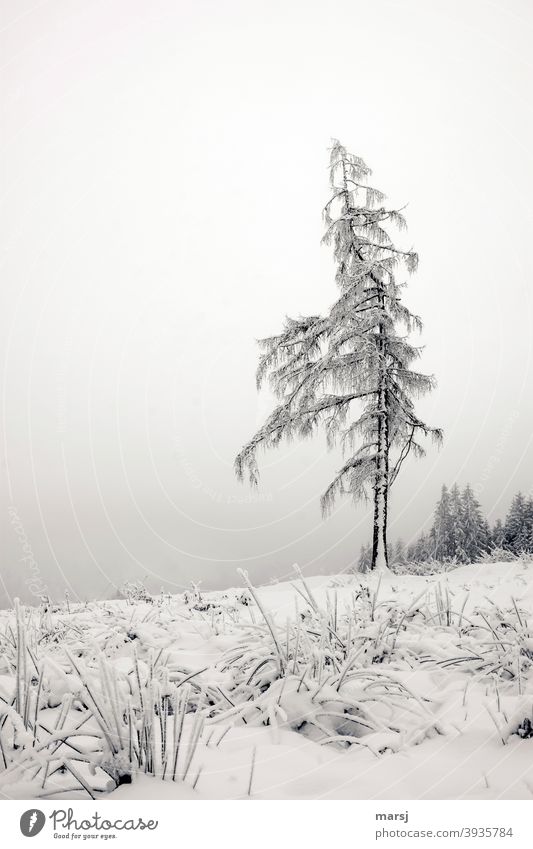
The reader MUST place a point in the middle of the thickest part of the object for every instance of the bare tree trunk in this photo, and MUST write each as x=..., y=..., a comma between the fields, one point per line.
x=381, y=487
x=381, y=495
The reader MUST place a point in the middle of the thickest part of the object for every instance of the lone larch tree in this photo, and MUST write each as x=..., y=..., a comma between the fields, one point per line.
x=349, y=372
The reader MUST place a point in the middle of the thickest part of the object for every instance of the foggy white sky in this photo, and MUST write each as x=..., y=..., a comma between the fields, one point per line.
x=163, y=174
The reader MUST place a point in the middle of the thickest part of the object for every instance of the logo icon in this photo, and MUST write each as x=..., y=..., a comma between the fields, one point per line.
x=32, y=822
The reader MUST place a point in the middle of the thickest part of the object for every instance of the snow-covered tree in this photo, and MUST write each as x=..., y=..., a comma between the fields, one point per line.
x=514, y=523
x=349, y=372
x=399, y=555
x=456, y=525
x=474, y=531
x=486, y=535
x=442, y=527
x=421, y=550
x=498, y=534
x=529, y=524
x=365, y=559
x=525, y=536
x=460, y=531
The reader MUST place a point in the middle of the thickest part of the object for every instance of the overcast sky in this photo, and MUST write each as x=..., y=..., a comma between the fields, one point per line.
x=164, y=166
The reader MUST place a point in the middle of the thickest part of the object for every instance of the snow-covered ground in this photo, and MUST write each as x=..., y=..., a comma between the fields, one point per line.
x=353, y=687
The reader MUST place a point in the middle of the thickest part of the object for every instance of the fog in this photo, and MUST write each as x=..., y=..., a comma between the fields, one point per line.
x=164, y=167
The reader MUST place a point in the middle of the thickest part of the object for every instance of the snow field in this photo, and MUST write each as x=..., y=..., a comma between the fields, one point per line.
x=351, y=687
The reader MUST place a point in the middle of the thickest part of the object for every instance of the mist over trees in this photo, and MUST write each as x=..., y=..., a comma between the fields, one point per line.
x=349, y=373
x=461, y=534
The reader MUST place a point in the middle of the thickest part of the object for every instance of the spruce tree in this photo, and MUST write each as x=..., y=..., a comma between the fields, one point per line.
x=498, y=534
x=442, y=527
x=456, y=525
x=526, y=533
x=473, y=527
x=365, y=559
x=399, y=552
x=422, y=549
x=514, y=523
x=459, y=531
x=411, y=552
x=530, y=540
x=322, y=368
x=486, y=536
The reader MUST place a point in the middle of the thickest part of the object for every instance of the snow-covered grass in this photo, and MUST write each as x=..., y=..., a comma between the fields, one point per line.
x=352, y=687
